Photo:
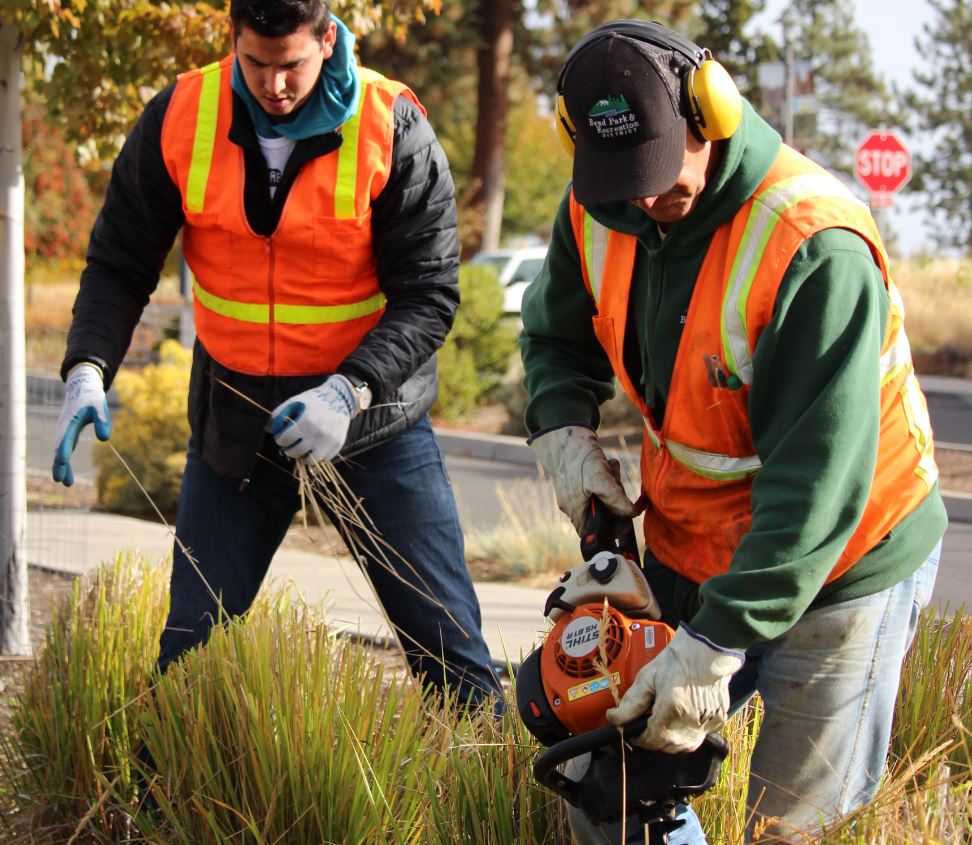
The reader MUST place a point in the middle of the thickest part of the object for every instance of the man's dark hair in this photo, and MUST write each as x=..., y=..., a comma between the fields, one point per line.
x=276, y=18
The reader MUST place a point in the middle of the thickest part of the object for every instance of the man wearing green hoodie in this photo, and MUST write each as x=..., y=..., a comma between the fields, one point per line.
x=741, y=298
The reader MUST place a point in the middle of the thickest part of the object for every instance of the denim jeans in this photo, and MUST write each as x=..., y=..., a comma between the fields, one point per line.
x=232, y=536
x=829, y=686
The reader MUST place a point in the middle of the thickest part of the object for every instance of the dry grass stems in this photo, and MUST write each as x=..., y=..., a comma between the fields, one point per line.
x=325, y=494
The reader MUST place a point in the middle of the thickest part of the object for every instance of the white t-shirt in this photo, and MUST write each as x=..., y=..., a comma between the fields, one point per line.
x=276, y=151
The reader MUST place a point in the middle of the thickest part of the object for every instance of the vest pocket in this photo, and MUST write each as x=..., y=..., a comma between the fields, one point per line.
x=604, y=332
x=343, y=248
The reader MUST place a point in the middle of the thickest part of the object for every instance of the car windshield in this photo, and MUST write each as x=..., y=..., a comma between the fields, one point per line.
x=527, y=271
x=497, y=262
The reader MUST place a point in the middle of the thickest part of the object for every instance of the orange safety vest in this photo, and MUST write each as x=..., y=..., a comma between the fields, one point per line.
x=299, y=301
x=697, y=469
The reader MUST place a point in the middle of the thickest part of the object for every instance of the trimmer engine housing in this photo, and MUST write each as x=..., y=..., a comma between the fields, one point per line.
x=564, y=687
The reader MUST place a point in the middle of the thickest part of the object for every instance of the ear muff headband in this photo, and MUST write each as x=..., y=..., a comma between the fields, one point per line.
x=566, y=131
x=712, y=103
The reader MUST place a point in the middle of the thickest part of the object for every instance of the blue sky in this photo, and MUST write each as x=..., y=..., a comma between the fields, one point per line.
x=891, y=28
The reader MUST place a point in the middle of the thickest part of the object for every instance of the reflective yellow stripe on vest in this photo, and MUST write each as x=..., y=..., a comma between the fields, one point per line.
x=595, y=253
x=895, y=363
x=898, y=358
x=707, y=464
x=204, y=138
x=763, y=218
x=347, y=166
x=302, y=315
x=712, y=464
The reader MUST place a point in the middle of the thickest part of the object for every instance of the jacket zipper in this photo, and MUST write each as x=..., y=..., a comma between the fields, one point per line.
x=270, y=319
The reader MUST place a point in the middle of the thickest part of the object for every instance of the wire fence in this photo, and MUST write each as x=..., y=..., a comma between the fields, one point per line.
x=57, y=524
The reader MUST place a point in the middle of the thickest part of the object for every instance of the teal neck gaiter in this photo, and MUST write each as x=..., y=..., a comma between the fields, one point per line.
x=330, y=104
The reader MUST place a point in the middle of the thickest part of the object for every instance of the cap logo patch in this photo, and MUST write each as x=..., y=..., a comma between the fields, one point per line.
x=612, y=117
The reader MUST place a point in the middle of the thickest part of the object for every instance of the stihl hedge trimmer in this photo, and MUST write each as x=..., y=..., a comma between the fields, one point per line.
x=587, y=661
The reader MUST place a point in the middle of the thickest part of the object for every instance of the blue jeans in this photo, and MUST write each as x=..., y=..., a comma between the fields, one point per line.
x=232, y=536
x=829, y=686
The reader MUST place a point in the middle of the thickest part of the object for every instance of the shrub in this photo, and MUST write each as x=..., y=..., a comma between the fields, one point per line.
x=62, y=197
x=477, y=352
x=150, y=432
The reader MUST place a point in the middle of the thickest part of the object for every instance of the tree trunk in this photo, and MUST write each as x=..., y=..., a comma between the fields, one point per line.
x=493, y=58
x=14, y=600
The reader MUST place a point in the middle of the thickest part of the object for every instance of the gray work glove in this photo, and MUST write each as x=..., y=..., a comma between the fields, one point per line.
x=575, y=461
x=314, y=424
x=84, y=403
x=686, y=688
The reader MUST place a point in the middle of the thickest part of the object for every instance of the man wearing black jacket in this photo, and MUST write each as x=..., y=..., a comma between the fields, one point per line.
x=319, y=222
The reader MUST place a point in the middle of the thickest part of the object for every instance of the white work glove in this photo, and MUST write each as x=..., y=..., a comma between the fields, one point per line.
x=84, y=403
x=575, y=461
x=686, y=688
x=314, y=424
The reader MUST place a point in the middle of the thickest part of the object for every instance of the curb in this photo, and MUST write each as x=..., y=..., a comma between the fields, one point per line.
x=505, y=448
x=485, y=447
x=945, y=384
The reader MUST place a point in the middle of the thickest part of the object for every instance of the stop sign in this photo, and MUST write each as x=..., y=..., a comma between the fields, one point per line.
x=883, y=163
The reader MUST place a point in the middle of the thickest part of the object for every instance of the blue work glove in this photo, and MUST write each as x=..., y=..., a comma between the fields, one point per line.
x=84, y=403
x=314, y=424
x=686, y=688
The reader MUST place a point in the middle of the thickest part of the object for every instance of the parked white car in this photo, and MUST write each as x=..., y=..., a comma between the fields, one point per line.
x=516, y=268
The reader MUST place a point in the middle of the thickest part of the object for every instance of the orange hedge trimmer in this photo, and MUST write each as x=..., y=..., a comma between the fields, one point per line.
x=606, y=627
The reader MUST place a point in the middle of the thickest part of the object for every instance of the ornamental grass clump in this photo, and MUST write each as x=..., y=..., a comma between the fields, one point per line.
x=486, y=793
x=935, y=704
x=68, y=759
x=278, y=732
x=533, y=538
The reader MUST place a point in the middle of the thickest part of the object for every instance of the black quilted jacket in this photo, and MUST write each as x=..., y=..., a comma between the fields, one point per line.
x=416, y=245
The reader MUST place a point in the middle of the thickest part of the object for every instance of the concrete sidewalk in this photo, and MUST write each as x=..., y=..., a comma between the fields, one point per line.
x=512, y=615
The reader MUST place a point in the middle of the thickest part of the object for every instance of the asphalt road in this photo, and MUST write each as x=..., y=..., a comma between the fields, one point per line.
x=950, y=408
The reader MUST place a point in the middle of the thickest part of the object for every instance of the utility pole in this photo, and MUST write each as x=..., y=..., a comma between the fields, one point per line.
x=14, y=598
x=789, y=74
x=187, y=326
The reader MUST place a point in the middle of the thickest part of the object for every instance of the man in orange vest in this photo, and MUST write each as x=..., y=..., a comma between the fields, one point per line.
x=318, y=219
x=740, y=296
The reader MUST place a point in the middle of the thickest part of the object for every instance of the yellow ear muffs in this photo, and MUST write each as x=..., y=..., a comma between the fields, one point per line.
x=713, y=100
x=565, y=127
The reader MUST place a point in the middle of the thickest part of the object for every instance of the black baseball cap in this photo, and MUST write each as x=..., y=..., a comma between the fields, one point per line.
x=630, y=140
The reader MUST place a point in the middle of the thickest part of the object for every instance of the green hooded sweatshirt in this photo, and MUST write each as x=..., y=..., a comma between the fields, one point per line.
x=813, y=403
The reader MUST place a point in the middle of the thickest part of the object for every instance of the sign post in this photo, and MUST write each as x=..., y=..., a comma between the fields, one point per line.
x=883, y=166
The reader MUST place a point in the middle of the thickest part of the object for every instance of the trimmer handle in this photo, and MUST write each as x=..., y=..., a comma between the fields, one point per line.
x=604, y=531
x=652, y=775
